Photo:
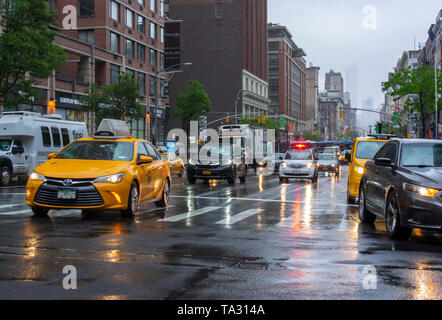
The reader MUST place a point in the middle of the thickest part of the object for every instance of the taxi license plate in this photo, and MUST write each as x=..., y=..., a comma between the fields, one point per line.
x=69, y=194
x=207, y=173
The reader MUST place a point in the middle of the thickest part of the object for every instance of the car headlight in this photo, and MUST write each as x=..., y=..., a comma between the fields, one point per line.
x=422, y=191
x=333, y=165
x=114, y=178
x=310, y=164
x=359, y=169
x=284, y=165
x=191, y=162
x=36, y=176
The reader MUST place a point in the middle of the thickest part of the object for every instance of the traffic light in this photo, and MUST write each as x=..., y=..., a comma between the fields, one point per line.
x=378, y=128
x=341, y=114
x=228, y=120
x=51, y=106
x=264, y=119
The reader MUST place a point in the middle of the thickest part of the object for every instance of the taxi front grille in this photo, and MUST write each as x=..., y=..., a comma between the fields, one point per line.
x=86, y=196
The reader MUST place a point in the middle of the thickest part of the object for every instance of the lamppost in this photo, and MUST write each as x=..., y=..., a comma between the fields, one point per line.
x=157, y=73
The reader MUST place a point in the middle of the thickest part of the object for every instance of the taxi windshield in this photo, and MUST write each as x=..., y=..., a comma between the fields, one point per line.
x=367, y=149
x=98, y=150
x=5, y=145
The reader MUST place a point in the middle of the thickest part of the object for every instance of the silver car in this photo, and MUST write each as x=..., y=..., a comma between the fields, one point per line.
x=328, y=162
x=299, y=164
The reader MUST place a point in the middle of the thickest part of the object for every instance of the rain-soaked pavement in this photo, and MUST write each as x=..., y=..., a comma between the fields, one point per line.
x=261, y=240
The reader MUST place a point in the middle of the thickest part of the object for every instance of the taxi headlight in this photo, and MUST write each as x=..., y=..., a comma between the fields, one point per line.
x=36, y=177
x=114, y=178
x=422, y=191
x=284, y=165
x=309, y=165
x=359, y=169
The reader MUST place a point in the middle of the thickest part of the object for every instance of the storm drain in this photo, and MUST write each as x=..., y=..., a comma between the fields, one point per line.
x=251, y=266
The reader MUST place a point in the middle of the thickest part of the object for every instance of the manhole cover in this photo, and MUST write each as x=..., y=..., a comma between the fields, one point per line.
x=251, y=266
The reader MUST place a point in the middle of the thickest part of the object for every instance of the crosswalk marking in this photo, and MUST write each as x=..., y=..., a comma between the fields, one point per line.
x=183, y=216
x=240, y=216
x=13, y=213
x=12, y=205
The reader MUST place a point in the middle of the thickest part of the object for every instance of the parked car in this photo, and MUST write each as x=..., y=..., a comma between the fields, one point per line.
x=363, y=149
x=333, y=150
x=328, y=162
x=26, y=138
x=176, y=163
x=403, y=185
x=299, y=164
x=221, y=162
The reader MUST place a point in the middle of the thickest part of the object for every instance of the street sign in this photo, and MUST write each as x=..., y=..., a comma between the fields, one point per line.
x=281, y=123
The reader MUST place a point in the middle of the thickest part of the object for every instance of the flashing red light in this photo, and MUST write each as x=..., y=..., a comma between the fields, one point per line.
x=300, y=146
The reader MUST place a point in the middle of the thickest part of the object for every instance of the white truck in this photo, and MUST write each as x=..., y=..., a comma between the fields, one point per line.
x=26, y=138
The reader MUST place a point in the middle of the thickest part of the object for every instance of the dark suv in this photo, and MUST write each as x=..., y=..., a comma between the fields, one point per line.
x=403, y=185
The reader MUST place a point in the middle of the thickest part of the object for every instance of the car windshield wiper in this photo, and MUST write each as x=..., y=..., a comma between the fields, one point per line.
x=418, y=166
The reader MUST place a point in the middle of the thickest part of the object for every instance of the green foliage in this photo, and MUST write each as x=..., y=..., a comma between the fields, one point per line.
x=192, y=104
x=255, y=121
x=114, y=101
x=27, y=51
x=417, y=85
x=312, y=136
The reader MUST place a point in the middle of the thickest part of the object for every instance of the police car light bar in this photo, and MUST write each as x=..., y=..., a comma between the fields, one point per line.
x=382, y=136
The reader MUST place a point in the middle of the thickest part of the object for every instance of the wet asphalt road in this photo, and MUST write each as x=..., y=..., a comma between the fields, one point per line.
x=261, y=240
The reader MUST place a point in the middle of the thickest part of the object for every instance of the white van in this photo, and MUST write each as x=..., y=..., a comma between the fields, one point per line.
x=26, y=138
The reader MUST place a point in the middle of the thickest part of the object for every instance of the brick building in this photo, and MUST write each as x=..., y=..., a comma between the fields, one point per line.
x=312, y=98
x=111, y=37
x=287, y=83
x=226, y=42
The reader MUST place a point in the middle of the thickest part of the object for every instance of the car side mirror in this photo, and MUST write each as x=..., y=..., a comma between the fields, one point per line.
x=386, y=162
x=145, y=159
x=51, y=156
x=348, y=157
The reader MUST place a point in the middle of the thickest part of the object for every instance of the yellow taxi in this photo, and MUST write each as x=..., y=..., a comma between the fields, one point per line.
x=363, y=150
x=176, y=163
x=109, y=171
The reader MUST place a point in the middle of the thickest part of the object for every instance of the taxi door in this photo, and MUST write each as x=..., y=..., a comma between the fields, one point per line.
x=145, y=173
x=158, y=164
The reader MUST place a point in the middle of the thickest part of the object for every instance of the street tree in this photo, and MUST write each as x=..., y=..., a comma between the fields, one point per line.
x=116, y=101
x=416, y=85
x=192, y=104
x=27, y=51
x=312, y=136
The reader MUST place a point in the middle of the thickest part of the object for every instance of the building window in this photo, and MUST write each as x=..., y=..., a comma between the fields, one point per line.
x=153, y=85
x=115, y=11
x=273, y=46
x=142, y=83
x=273, y=62
x=153, y=5
x=141, y=27
x=153, y=57
x=65, y=136
x=141, y=2
x=87, y=36
x=161, y=60
x=153, y=30
x=131, y=73
x=141, y=52
x=114, y=42
x=87, y=8
x=53, y=5
x=114, y=72
x=129, y=18
x=162, y=8
x=56, y=136
x=129, y=48
x=137, y=131
x=163, y=88
x=162, y=35
x=219, y=10
x=46, y=136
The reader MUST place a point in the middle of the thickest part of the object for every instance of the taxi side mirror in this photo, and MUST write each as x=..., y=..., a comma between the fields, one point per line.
x=348, y=156
x=51, y=156
x=145, y=159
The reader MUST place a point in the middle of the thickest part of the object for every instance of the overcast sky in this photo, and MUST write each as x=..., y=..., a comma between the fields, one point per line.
x=332, y=34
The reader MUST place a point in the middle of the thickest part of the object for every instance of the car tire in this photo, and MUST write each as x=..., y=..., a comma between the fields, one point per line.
x=392, y=220
x=350, y=199
x=165, y=196
x=191, y=180
x=132, y=202
x=40, y=211
x=365, y=216
x=181, y=174
x=5, y=176
x=282, y=180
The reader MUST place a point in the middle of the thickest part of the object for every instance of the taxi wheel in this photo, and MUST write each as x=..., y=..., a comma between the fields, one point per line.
x=165, y=197
x=132, y=204
x=5, y=176
x=191, y=180
x=40, y=212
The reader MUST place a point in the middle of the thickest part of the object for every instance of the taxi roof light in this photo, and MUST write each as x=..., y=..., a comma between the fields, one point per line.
x=112, y=129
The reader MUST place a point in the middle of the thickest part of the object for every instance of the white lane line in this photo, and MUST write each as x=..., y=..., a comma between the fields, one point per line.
x=183, y=216
x=240, y=216
x=348, y=224
x=12, y=205
x=291, y=220
x=14, y=213
x=13, y=194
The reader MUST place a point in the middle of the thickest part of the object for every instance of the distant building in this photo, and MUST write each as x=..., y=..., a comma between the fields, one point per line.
x=312, y=84
x=287, y=81
x=226, y=42
x=334, y=81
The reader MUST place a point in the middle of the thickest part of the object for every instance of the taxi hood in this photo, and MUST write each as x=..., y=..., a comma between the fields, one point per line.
x=80, y=169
